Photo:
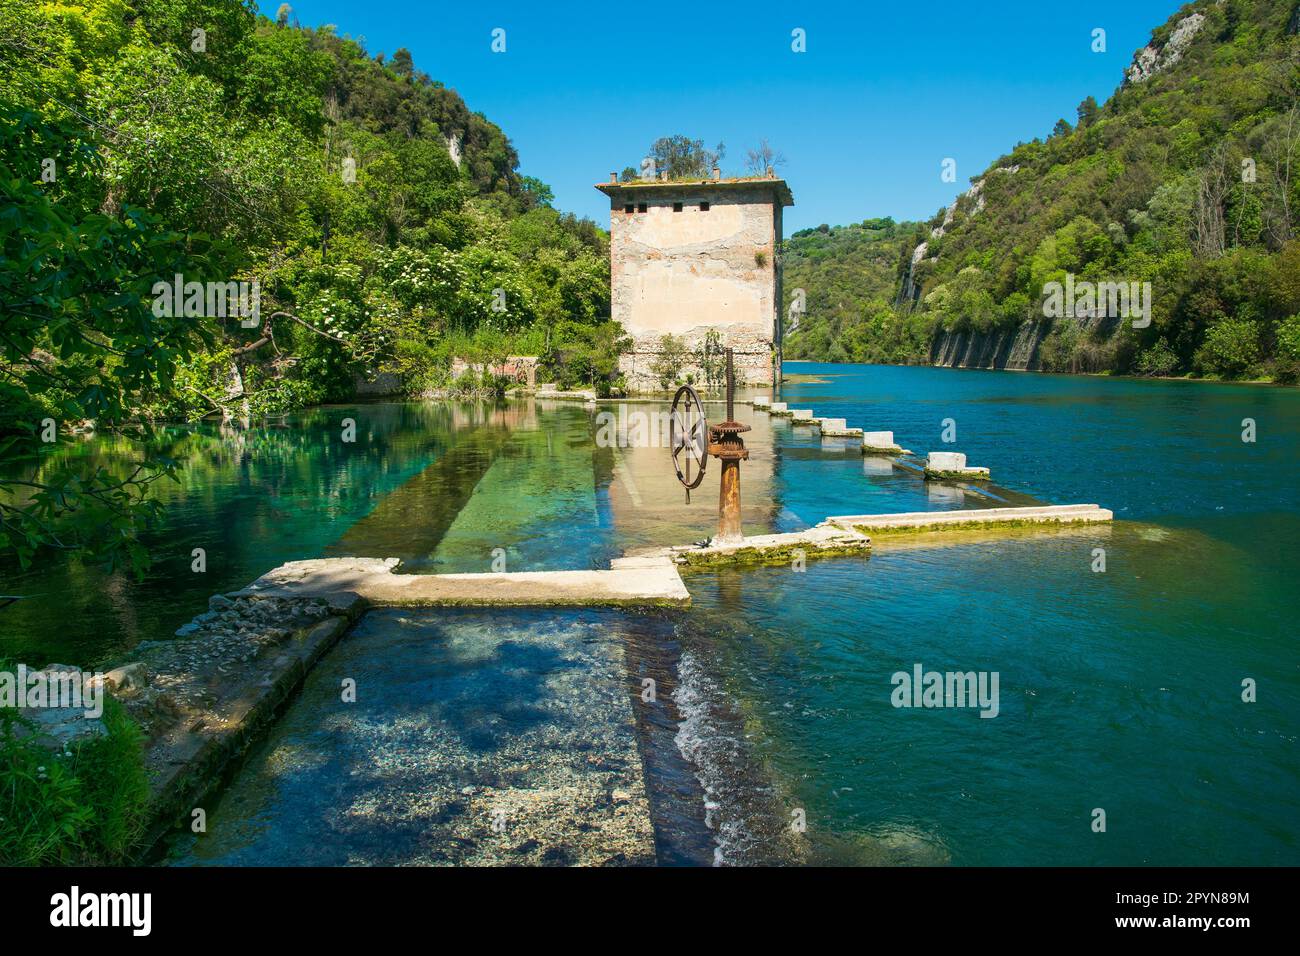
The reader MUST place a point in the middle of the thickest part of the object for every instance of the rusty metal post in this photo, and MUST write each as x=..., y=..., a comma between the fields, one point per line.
x=727, y=446
x=729, y=504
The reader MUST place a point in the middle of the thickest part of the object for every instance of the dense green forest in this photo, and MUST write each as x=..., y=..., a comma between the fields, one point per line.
x=1188, y=177
x=291, y=156
x=849, y=278
x=386, y=225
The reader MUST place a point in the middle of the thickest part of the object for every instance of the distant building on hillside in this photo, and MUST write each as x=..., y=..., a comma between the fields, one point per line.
x=692, y=257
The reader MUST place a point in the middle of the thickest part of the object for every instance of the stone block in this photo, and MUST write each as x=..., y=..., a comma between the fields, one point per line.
x=945, y=461
x=940, y=465
x=880, y=442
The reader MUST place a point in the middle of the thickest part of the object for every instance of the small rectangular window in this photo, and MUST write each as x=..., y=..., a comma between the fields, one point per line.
x=677, y=207
x=641, y=207
x=704, y=207
x=628, y=209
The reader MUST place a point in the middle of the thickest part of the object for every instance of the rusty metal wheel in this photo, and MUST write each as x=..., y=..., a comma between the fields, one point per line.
x=688, y=438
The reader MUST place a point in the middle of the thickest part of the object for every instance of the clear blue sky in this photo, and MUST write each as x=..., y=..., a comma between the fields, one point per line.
x=885, y=92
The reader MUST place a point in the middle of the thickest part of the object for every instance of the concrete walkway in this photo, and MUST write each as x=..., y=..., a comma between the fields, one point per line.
x=972, y=518
x=374, y=581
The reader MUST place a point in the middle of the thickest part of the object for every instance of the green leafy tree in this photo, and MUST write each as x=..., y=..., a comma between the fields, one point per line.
x=386, y=223
x=79, y=342
x=684, y=158
x=1231, y=347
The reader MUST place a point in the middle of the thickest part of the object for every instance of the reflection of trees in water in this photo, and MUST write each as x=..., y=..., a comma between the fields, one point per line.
x=305, y=448
x=251, y=498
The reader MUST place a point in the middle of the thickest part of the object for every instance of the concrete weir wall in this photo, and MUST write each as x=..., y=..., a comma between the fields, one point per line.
x=966, y=519
x=373, y=580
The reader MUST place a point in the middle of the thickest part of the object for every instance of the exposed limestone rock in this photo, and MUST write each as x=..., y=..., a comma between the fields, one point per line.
x=1150, y=60
x=911, y=288
x=975, y=194
x=128, y=680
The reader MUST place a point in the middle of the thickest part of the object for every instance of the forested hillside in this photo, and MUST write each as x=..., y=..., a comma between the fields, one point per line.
x=385, y=222
x=849, y=277
x=1188, y=178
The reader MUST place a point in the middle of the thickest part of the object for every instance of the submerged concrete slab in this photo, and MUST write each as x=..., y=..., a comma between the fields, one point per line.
x=841, y=432
x=833, y=424
x=873, y=464
x=374, y=581
x=461, y=720
x=761, y=401
x=839, y=445
x=777, y=408
x=824, y=540
x=919, y=521
x=803, y=416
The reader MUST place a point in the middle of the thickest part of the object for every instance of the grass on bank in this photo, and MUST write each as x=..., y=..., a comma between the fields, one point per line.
x=84, y=805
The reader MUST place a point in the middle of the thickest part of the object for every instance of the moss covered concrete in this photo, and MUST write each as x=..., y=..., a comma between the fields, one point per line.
x=822, y=541
x=965, y=474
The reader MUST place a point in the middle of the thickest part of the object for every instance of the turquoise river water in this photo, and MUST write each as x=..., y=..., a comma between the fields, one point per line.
x=1119, y=690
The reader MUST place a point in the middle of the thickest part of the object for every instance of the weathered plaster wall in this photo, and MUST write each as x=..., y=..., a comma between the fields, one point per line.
x=685, y=273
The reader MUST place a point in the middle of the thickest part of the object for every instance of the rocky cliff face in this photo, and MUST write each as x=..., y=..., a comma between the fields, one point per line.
x=1015, y=349
x=1012, y=349
x=1150, y=60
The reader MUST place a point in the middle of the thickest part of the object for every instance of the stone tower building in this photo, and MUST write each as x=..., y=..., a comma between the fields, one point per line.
x=693, y=257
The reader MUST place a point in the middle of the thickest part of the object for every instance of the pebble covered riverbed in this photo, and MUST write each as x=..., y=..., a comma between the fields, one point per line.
x=474, y=738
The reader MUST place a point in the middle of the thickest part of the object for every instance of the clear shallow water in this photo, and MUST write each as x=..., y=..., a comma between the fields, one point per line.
x=460, y=717
x=1144, y=448
x=1118, y=690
